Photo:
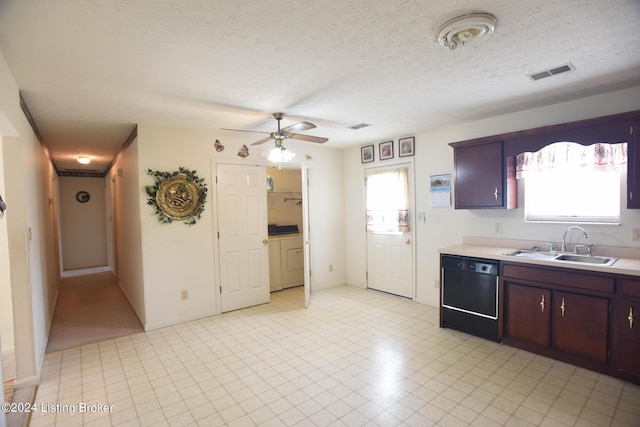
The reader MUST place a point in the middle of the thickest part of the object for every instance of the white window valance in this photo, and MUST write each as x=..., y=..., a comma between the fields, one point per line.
x=569, y=155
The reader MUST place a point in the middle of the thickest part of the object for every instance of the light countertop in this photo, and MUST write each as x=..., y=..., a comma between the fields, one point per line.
x=627, y=266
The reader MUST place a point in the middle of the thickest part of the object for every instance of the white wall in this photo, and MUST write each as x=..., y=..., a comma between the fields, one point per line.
x=2, y=415
x=447, y=226
x=6, y=307
x=27, y=179
x=83, y=226
x=177, y=257
x=126, y=192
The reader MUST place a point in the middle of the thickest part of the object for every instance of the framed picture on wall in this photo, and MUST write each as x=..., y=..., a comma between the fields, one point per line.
x=406, y=146
x=386, y=150
x=367, y=154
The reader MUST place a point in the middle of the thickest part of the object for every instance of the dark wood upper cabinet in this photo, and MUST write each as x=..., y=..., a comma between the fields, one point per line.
x=482, y=180
x=485, y=167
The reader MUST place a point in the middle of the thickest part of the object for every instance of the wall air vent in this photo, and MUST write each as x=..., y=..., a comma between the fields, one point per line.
x=551, y=71
x=87, y=173
x=360, y=126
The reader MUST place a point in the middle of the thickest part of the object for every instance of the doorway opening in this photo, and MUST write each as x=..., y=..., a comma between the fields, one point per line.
x=285, y=217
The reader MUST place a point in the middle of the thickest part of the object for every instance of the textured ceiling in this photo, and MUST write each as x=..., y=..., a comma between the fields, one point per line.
x=90, y=70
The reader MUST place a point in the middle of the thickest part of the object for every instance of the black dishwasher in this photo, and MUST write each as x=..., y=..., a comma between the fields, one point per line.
x=470, y=295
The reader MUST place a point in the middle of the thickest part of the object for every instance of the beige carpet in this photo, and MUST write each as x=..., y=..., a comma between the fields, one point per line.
x=90, y=308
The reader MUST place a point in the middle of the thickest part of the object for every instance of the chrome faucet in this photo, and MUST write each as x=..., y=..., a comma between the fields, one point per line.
x=564, y=236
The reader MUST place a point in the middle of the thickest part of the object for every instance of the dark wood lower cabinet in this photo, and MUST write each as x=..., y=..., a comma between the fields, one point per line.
x=589, y=319
x=586, y=318
x=628, y=338
x=529, y=314
x=557, y=322
x=581, y=325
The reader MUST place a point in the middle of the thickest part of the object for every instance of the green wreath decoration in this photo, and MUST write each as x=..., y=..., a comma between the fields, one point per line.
x=178, y=195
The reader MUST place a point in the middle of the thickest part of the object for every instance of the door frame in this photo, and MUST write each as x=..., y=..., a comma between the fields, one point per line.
x=412, y=217
x=306, y=234
x=306, y=231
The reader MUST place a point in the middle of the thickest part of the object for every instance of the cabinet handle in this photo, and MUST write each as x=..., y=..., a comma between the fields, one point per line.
x=495, y=193
x=542, y=304
x=630, y=318
x=562, y=307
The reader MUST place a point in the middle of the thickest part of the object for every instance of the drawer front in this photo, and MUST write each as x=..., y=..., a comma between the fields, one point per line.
x=630, y=287
x=559, y=276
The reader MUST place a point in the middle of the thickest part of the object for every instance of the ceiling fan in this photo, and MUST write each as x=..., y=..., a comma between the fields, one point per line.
x=286, y=133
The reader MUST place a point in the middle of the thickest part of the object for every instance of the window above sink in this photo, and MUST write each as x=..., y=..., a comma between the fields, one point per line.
x=569, y=182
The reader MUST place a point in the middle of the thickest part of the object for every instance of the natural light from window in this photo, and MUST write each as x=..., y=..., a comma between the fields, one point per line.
x=388, y=200
x=576, y=196
x=568, y=182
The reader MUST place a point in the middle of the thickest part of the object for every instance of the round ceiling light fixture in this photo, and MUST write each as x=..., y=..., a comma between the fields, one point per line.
x=84, y=160
x=466, y=30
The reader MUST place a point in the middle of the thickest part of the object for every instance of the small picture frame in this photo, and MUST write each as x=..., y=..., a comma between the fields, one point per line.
x=386, y=150
x=406, y=146
x=367, y=154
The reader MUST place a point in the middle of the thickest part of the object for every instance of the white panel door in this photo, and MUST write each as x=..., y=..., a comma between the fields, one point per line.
x=390, y=254
x=389, y=263
x=243, y=236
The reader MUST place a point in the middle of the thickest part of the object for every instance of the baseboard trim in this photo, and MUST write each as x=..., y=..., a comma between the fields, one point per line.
x=29, y=381
x=325, y=286
x=152, y=326
x=85, y=271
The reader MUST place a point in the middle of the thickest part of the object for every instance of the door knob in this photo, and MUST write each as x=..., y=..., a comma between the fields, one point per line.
x=265, y=241
x=408, y=242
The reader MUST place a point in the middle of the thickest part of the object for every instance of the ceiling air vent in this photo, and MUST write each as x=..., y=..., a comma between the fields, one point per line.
x=360, y=126
x=551, y=71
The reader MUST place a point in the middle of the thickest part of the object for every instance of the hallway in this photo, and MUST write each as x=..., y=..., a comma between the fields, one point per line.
x=89, y=309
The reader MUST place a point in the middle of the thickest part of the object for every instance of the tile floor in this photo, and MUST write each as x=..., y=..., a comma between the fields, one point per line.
x=353, y=358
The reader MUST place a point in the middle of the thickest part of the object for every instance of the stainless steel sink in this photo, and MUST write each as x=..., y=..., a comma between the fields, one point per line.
x=527, y=253
x=586, y=259
x=562, y=257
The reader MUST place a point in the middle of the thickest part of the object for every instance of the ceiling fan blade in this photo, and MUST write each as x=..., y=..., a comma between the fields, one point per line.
x=309, y=138
x=262, y=141
x=299, y=127
x=242, y=130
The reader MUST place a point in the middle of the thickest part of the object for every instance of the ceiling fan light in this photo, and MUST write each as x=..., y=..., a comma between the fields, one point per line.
x=280, y=155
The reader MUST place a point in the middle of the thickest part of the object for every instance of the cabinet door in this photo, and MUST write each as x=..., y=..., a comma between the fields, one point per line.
x=479, y=176
x=581, y=325
x=292, y=259
x=633, y=168
x=275, y=275
x=528, y=314
x=628, y=348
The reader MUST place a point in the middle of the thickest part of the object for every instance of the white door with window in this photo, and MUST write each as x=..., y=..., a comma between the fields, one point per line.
x=243, y=236
x=389, y=234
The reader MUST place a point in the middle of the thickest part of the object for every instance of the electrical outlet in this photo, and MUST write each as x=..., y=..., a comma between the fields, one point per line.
x=185, y=295
x=330, y=268
x=497, y=228
x=635, y=234
x=436, y=283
